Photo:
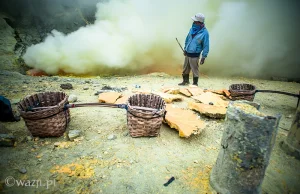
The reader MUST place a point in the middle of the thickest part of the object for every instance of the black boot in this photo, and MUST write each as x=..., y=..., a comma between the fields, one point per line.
x=195, y=81
x=185, y=80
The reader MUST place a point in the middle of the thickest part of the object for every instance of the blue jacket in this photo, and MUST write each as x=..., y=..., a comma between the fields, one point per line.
x=198, y=44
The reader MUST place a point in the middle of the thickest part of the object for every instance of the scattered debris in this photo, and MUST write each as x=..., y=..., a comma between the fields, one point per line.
x=169, y=181
x=66, y=86
x=185, y=121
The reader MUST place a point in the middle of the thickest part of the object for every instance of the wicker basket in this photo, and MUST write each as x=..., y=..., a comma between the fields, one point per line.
x=44, y=113
x=145, y=122
x=242, y=91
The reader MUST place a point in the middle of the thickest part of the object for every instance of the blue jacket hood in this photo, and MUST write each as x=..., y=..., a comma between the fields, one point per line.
x=198, y=44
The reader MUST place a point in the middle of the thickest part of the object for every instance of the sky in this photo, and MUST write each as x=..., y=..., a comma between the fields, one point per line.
x=257, y=38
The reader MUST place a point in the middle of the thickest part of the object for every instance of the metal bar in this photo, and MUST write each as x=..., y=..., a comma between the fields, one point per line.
x=278, y=92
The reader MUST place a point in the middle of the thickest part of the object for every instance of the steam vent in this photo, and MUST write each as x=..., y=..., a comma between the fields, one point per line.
x=128, y=96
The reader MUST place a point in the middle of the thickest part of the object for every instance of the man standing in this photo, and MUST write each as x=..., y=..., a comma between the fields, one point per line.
x=197, y=41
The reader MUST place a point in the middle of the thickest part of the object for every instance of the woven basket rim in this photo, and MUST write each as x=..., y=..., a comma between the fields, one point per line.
x=148, y=113
x=55, y=109
x=235, y=92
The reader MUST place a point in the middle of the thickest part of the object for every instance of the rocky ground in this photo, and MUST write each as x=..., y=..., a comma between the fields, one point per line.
x=104, y=158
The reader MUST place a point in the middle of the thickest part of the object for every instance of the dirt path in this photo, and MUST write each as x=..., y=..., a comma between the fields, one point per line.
x=94, y=164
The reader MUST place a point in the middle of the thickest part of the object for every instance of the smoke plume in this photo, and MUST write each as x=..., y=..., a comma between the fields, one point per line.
x=248, y=38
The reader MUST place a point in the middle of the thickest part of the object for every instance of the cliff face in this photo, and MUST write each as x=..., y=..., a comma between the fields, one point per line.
x=7, y=45
x=27, y=22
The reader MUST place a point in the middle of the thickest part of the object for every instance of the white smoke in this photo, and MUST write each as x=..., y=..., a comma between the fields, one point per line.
x=247, y=37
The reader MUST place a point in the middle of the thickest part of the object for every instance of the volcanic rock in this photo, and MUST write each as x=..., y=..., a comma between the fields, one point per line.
x=195, y=91
x=184, y=121
x=66, y=86
x=73, y=134
x=7, y=140
x=123, y=99
x=185, y=92
x=171, y=90
x=109, y=97
x=168, y=98
x=218, y=112
x=209, y=97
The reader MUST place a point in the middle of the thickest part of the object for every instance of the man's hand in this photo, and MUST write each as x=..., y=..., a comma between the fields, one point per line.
x=184, y=53
x=202, y=61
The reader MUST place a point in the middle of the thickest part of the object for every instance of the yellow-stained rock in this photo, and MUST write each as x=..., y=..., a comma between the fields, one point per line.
x=168, y=98
x=209, y=97
x=184, y=121
x=185, y=92
x=171, y=90
x=223, y=92
x=139, y=91
x=227, y=93
x=212, y=111
x=195, y=91
x=220, y=92
x=109, y=97
x=123, y=99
